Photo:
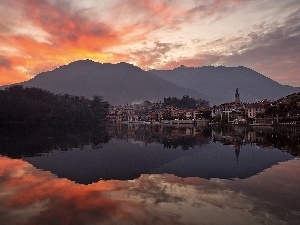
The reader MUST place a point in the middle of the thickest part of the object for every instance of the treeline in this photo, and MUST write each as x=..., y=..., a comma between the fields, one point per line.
x=24, y=105
x=286, y=108
x=185, y=102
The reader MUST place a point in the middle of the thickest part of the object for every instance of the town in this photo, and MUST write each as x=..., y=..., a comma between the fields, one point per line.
x=261, y=113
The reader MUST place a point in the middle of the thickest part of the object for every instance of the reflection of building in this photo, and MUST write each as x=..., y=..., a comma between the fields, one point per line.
x=237, y=150
x=286, y=139
x=170, y=136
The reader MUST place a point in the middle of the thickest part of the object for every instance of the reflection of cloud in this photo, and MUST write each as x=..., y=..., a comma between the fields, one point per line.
x=40, y=197
x=59, y=199
x=152, y=199
x=248, y=200
x=150, y=188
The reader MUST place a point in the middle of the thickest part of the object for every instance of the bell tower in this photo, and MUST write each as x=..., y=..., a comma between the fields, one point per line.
x=237, y=97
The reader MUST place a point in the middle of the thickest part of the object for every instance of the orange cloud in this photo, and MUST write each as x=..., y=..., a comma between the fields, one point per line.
x=39, y=35
x=68, y=37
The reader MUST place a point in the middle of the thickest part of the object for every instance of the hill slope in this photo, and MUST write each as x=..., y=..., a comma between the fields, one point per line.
x=118, y=83
x=221, y=82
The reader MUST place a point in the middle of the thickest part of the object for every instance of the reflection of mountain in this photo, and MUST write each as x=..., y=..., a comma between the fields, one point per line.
x=128, y=159
x=118, y=160
x=219, y=161
x=125, y=152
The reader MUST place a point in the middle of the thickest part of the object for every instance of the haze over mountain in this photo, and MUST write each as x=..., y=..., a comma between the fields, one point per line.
x=220, y=83
x=118, y=83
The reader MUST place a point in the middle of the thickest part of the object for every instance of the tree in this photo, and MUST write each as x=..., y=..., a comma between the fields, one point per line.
x=33, y=105
x=185, y=102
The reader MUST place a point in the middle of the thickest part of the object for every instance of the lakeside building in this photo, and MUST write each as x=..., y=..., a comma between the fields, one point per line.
x=257, y=109
x=233, y=112
x=260, y=113
x=154, y=112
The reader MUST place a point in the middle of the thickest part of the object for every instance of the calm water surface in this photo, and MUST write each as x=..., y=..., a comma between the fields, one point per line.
x=130, y=174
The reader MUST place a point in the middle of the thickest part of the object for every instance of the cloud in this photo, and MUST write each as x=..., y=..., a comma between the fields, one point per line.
x=272, y=50
x=52, y=36
x=193, y=61
x=214, y=9
x=4, y=63
x=38, y=35
x=152, y=55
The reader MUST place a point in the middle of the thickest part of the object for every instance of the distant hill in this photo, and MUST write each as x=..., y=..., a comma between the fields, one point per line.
x=118, y=83
x=220, y=83
x=124, y=83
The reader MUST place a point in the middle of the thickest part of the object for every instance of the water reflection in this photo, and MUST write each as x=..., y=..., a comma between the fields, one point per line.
x=31, y=196
x=18, y=141
x=283, y=138
x=125, y=152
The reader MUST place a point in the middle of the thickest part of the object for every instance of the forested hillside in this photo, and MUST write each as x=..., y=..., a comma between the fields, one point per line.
x=120, y=83
x=36, y=106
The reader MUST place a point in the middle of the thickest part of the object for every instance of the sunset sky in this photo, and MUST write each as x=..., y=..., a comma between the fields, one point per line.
x=40, y=35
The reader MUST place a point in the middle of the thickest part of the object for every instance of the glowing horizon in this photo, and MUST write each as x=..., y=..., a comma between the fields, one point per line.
x=40, y=35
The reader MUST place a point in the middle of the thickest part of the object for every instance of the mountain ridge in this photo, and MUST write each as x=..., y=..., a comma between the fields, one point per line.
x=123, y=83
x=119, y=83
x=221, y=82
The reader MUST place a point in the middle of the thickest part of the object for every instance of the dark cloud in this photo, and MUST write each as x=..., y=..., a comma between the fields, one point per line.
x=4, y=62
x=274, y=51
x=271, y=49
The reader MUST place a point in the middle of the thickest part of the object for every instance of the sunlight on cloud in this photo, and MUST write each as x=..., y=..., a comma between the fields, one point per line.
x=58, y=32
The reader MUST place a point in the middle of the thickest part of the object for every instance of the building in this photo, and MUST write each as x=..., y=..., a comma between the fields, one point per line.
x=237, y=97
x=257, y=109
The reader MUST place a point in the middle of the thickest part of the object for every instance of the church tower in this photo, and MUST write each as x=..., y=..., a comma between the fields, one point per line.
x=237, y=97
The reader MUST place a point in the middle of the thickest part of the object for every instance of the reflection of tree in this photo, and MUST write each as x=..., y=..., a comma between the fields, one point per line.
x=185, y=142
x=18, y=141
x=284, y=138
x=99, y=137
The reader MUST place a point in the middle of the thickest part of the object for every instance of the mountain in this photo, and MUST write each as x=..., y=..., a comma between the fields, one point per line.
x=118, y=83
x=124, y=83
x=220, y=83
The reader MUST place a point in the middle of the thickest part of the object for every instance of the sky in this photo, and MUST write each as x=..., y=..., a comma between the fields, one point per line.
x=40, y=35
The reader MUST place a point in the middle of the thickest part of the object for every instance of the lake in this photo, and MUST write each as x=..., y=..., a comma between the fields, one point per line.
x=142, y=174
